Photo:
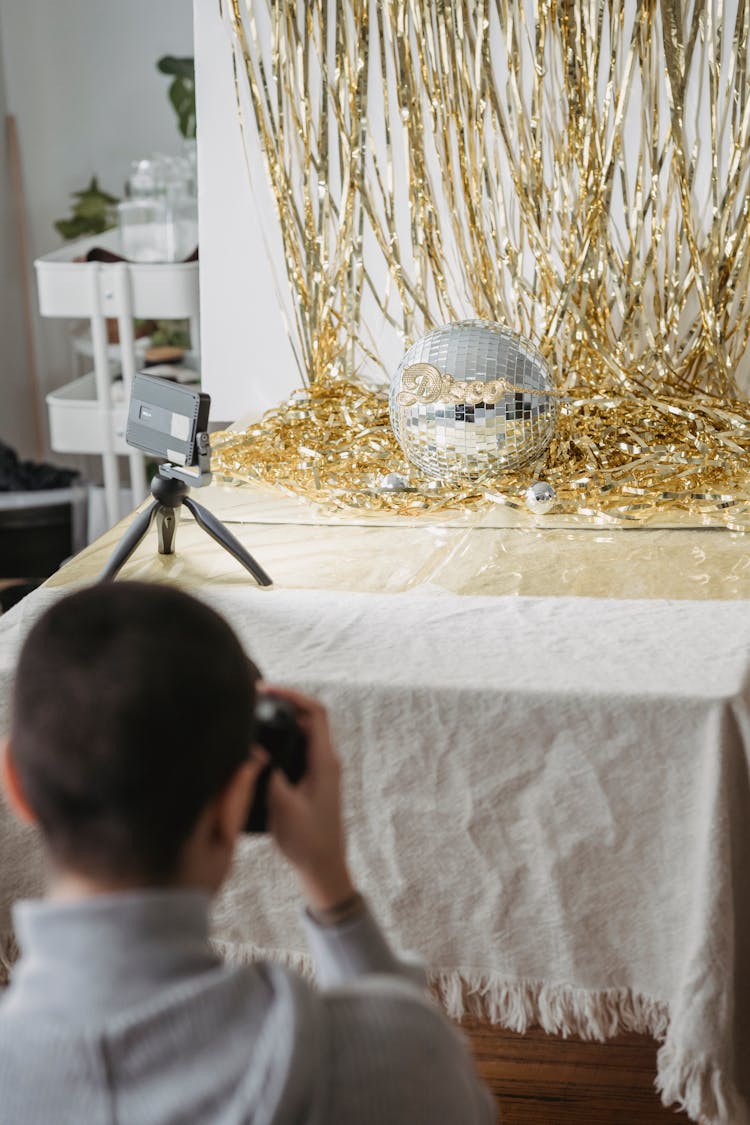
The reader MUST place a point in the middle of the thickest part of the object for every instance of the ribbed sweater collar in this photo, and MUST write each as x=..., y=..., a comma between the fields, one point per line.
x=95, y=956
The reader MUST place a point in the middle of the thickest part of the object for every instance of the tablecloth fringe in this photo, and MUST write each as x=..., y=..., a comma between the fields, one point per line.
x=699, y=1088
x=557, y=1008
x=517, y=1005
x=236, y=953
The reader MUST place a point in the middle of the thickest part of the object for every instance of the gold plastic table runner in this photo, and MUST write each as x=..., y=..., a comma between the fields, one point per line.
x=304, y=549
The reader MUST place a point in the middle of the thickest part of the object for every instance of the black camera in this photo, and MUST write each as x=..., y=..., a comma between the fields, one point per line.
x=278, y=732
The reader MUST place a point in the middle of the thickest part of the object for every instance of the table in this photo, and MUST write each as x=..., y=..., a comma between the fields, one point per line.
x=547, y=791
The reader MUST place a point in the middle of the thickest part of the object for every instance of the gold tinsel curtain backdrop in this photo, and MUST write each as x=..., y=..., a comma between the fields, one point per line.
x=578, y=171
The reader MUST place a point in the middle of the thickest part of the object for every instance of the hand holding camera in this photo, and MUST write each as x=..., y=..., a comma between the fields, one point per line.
x=303, y=794
x=285, y=744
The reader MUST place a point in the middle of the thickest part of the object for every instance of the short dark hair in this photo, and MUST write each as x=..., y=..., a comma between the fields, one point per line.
x=132, y=707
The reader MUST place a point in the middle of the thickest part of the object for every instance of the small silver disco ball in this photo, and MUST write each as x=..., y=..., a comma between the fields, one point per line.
x=472, y=398
x=540, y=497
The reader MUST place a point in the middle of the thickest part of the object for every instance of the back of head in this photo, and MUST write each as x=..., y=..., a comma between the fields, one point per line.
x=132, y=708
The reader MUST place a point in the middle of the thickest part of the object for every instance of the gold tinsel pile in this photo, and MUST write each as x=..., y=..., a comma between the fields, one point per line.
x=579, y=172
x=333, y=442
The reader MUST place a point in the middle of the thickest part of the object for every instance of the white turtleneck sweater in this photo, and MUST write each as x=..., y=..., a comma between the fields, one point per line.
x=119, y=1013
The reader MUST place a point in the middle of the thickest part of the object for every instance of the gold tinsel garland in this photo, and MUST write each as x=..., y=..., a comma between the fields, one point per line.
x=580, y=172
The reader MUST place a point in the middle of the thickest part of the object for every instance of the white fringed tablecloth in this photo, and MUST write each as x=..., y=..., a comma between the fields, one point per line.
x=547, y=798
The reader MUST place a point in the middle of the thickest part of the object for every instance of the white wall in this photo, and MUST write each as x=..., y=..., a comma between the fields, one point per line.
x=248, y=364
x=81, y=78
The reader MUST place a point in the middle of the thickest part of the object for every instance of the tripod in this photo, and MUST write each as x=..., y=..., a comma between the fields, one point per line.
x=170, y=492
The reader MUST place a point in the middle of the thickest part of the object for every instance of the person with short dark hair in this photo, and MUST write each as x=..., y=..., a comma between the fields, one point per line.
x=132, y=749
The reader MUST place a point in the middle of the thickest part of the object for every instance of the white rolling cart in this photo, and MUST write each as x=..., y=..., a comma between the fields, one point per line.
x=84, y=415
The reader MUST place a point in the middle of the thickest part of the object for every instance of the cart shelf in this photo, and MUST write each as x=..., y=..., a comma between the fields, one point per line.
x=88, y=415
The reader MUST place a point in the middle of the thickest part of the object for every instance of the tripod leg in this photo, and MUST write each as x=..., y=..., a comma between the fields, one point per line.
x=216, y=529
x=129, y=542
x=166, y=528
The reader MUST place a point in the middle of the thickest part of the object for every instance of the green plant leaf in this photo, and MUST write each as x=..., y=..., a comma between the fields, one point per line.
x=182, y=97
x=179, y=67
x=181, y=91
x=71, y=228
x=174, y=333
x=93, y=212
x=90, y=208
x=95, y=192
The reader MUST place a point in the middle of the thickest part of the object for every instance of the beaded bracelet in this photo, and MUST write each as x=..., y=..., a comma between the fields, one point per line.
x=340, y=912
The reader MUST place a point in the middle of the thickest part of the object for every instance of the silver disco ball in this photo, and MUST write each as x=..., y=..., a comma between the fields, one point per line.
x=471, y=398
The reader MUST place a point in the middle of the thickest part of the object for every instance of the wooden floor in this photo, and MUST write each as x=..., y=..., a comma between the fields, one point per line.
x=538, y=1079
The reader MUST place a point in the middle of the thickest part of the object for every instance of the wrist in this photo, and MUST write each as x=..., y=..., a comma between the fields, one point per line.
x=327, y=890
